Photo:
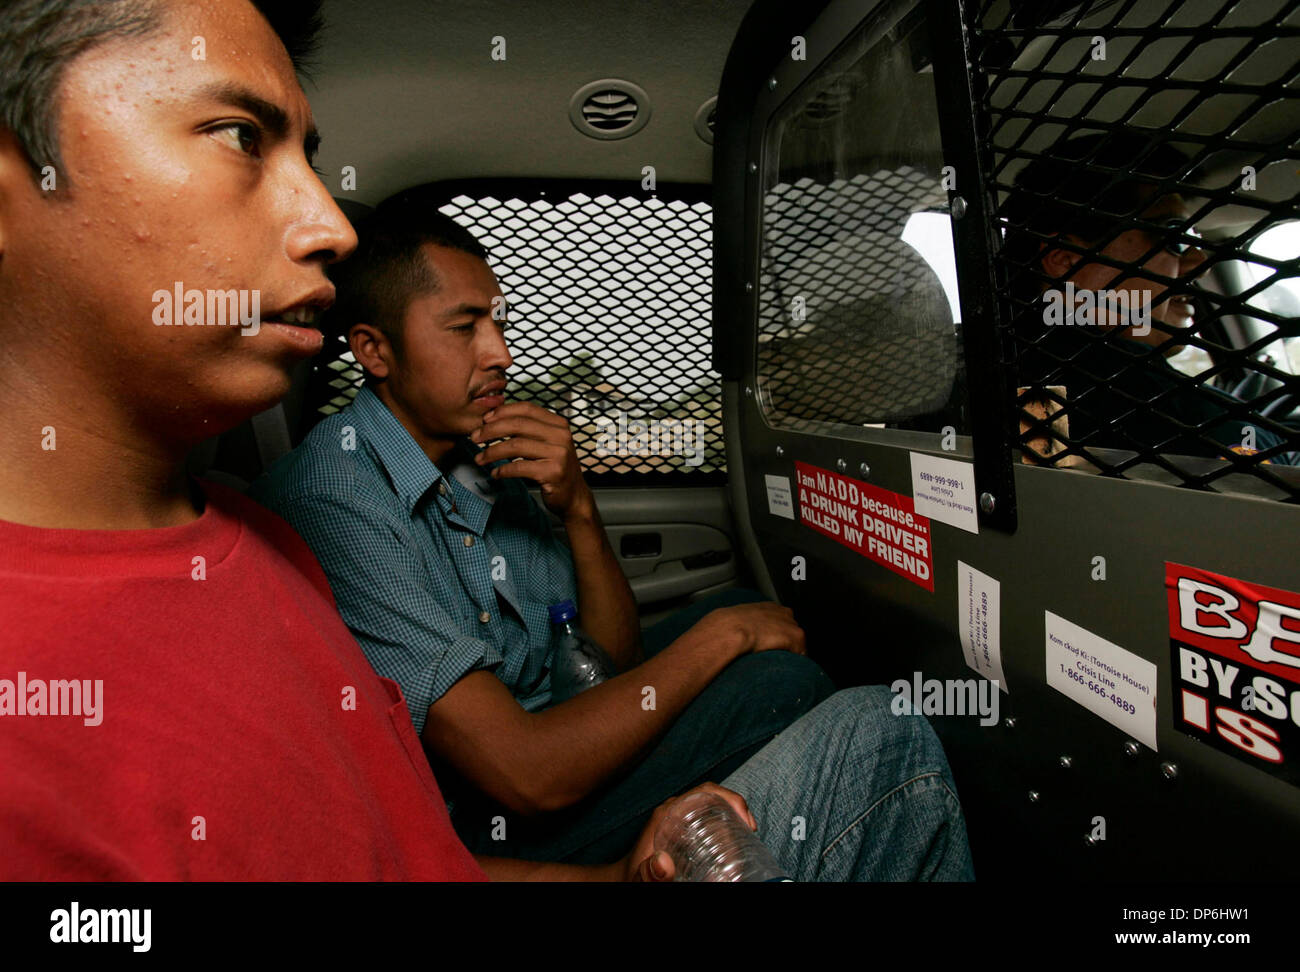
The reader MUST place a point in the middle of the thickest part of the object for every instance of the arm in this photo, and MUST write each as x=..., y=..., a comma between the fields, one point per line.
x=541, y=442
x=608, y=608
x=534, y=762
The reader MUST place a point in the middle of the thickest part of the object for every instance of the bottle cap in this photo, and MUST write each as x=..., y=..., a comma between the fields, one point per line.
x=564, y=611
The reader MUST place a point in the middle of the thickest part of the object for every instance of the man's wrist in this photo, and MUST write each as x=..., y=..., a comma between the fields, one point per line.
x=582, y=511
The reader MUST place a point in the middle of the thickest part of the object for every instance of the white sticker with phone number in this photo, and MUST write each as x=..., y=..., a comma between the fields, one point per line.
x=1102, y=677
x=944, y=490
x=780, y=501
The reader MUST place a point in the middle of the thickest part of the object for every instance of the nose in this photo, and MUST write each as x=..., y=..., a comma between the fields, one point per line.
x=494, y=354
x=319, y=230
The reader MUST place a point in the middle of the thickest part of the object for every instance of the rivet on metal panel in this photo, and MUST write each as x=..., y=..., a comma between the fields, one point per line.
x=864, y=470
x=1009, y=722
x=780, y=451
x=1169, y=771
x=958, y=207
x=987, y=502
x=1033, y=796
x=1131, y=748
x=841, y=465
x=1066, y=762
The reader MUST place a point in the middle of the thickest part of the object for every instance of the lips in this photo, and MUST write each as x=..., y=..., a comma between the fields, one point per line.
x=491, y=391
x=295, y=323
x=305, y=311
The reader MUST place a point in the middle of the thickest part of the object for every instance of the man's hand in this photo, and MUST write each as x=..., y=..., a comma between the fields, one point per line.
x=644, y=863
x=762, y=626
x=542, y=446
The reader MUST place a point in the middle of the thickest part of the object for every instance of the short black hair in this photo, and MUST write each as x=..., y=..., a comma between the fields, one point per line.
x=40, y=38
x=1090, y=186
x=376, y=283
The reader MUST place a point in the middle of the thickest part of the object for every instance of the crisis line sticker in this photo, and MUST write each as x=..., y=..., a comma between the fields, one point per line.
x=880, y=525
x=1236, y=665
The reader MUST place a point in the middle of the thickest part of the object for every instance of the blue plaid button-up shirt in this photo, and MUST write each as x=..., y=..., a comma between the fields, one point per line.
x=436, y=575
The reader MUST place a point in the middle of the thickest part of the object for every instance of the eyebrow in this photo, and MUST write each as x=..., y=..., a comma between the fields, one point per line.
x=269, y=115
x=475, y=310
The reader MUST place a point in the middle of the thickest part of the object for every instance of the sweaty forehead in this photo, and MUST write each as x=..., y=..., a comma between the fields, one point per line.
x=200, y=45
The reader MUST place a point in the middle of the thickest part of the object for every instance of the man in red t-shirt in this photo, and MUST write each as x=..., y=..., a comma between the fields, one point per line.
x=178, y=696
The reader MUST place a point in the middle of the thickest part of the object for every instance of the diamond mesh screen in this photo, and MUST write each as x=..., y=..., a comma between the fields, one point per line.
x=610, y=326
x=1142, y=159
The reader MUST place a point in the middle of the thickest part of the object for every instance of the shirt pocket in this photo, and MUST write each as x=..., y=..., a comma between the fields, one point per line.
x=400, y=716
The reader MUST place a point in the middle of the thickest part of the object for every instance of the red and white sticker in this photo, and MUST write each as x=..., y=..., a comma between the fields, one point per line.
x=1236, y=665
x=879, y=524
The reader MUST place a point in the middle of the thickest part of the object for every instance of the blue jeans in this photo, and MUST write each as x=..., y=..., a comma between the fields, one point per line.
x=873, y=790
x=736, y=715
x=852, y=792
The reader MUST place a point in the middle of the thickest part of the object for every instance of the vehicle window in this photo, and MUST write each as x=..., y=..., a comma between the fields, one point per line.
x=609, y=325
x=1278, y=281
x=858, y=311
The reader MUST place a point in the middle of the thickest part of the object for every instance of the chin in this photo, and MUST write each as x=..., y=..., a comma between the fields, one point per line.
x=255, y=392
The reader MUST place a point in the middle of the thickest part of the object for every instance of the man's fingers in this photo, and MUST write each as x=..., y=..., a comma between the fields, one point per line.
x=657, y=867
x=736, y=801
x=533, y=469
x=523, y=426
x=528, y=410
x=521, y=447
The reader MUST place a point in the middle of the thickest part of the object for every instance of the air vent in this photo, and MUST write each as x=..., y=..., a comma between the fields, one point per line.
x=705, y=118
x=610, y=111
x=609, y=108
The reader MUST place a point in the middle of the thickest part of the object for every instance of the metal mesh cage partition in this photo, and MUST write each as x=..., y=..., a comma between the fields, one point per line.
x=1143, y=164
x=609, y=297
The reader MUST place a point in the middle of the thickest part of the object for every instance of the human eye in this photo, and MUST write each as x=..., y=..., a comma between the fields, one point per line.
x=242, y=136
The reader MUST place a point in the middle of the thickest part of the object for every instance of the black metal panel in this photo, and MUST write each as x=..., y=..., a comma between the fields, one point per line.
x=762, y=40
x=990, y=390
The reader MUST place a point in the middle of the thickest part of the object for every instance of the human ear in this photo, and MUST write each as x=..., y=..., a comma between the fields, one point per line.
x=1058, y=262
x=371, y=347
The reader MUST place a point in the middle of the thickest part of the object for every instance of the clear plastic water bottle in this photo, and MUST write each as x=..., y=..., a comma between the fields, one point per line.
x=577, y=662
x=708, y=841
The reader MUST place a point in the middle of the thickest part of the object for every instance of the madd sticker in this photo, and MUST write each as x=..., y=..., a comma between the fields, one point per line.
x=878, y=524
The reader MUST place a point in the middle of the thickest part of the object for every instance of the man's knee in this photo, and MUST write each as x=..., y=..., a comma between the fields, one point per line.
x=868, y=720
x=780, y=685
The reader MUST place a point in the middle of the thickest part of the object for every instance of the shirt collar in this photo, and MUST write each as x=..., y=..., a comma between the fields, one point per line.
x=409, y=470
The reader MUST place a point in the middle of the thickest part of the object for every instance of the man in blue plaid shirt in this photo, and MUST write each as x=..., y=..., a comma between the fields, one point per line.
x=443, y=566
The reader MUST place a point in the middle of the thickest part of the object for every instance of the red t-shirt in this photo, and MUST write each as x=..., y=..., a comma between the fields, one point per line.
x=240, y=698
